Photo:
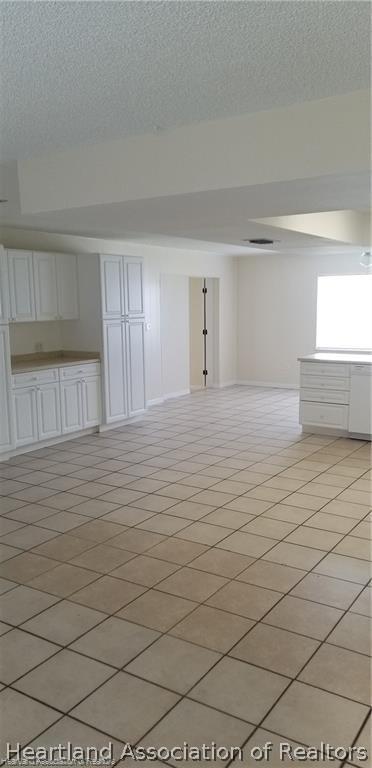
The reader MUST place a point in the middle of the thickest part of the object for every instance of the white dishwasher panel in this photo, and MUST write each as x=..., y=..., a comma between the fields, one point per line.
x=360, y=411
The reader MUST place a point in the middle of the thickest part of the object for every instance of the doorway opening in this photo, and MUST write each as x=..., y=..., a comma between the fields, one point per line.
x=203, y=310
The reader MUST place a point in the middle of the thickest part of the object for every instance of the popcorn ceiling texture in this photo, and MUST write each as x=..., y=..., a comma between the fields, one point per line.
x=76, y=72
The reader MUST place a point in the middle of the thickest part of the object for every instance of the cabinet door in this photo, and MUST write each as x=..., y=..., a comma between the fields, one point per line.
x=67, y=286
x=45, y=286
x=4, y=287
x=112, y=286
x=25, y=415
x=21, y=286
x=133, y=286
x=71, y=406
x=48, y=411
x=136, y=366
x=91, y=389
x=115, y=371
x=6, y=423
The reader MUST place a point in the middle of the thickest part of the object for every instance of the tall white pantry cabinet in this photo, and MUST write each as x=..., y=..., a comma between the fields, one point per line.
x=123, y=322
x=6, y=420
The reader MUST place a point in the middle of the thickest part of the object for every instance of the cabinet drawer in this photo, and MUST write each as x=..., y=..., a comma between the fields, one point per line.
x=44, y=376
x=79, y=371
x=322, y=415
x=328, y=396
x=325, y=382
x=325, y=369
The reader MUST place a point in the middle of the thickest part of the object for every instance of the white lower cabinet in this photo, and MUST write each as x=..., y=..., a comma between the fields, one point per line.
x=6, y=421
x=136, y=366
x=81, y=403
x=25, y=416
x=114, y=342
x=48, y=411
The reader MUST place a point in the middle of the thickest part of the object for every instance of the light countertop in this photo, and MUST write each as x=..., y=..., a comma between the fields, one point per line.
x=338, y=357
x=57, y=359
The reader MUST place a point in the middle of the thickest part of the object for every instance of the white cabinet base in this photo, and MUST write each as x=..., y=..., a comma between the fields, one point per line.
x=20, y=450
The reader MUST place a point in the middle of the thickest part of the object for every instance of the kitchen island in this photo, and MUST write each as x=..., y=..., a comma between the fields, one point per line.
x=336, y=394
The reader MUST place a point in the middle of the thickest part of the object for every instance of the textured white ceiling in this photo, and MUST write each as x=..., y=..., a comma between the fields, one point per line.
x=76, y=72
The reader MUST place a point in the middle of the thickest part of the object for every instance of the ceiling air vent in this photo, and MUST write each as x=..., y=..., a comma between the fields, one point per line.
x=259, y=241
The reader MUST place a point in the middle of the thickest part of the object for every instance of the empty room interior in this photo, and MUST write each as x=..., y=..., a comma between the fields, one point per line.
x=185, y=383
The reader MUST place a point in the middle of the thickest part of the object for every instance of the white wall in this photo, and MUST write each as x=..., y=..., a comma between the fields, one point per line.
x=175, y=334
x=25, y=336
x=158, y=261
x=277, y=312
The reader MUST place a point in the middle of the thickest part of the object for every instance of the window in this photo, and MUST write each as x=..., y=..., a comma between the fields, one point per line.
x=344, y=312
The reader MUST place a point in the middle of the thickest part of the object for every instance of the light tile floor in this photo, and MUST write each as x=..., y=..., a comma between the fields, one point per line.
x=202, y=574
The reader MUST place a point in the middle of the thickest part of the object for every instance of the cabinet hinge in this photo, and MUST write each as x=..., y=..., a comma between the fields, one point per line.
x=204, y=332
x=205, y=372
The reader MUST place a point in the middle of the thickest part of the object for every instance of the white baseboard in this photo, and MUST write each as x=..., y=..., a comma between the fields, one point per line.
x=269, y=384
x=223, y=384
x=180, y=393
x=155, y=401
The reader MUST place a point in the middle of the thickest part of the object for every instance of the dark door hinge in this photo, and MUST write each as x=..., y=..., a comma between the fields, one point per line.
x=205, y=372
x=204, y=290
x=204, y=331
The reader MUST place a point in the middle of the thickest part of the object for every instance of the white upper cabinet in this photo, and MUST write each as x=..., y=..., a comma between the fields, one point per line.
x=67, y=286
x=112, y=286
x=134, y=286
x=45, y=274
x=4, y=287
x=21, y=286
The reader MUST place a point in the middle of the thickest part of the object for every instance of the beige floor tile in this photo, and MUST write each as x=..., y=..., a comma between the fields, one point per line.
x=22, y=718
x=134, y=540
x=340, y=671
x=353, y=547
x=364, y=740
x=115, y=641
x=294, y=555
x=107, y=594
x=25, y=567
x=125, y=705
x=31, y=513
x=126, y=516
x=63, y=580
x=353, y=632
x=356, y=497
x=305, y=617
x=295, y=515
x=64, y=500
x=191, y=510
x=323, y=491
x=154, y=503
x=64, y=679
x=157, y=610
x=94, y=508
x=327, y=522
x=346, y=509
x=7, y=552
x=342, y=567
x=232, y=486
x=275, y=649
x=330, y=591
x=271, y=575
x=228, y=518
x=177, y=550
x=192, y=584
x=164, y=524
x=267, y=494
x=77, y=734
x=20, y=652
x=273, y=529
x=250, y=506
x=214, y=498
x=198, y=725
x=203, y=533
x=363, y=604
x=6, y=585
x=311, y=716
x=97, y=531
x=284, y=483
x=64, y=547
x=363, y=530
x=173, y=663
x=245, y=599
x=8, y=505
x=225, y=687
x=19, y=604
x=222, y=563
x=144, y=570
x=212, y=628
x=247, y=544
x=102, y=558
x=64, y=622
x=311, y=537
x=121, y=496
x=63, y=483
x=62, y=522
x=307, y=502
